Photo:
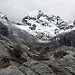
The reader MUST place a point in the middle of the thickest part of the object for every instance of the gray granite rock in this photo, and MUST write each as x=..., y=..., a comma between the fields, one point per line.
x=36, y=68
x=12, y=70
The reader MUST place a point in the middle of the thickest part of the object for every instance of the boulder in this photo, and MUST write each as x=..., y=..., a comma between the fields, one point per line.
x=3, y=29
x=62, y=61
x=11, y=70
x=36, y=68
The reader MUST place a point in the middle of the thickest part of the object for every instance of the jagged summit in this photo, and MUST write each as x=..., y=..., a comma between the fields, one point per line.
x=2, y=16
x=38, y=17
x=44, y=27
x=34, y=13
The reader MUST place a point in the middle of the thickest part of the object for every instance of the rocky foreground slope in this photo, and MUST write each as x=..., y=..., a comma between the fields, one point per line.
x=23, y=61
x=19, y=57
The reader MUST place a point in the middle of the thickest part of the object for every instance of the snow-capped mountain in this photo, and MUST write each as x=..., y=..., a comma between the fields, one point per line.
x=38, y=27
x=44, y=27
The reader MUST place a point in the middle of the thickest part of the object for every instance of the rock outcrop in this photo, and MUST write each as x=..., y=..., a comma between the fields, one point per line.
x=11, y=70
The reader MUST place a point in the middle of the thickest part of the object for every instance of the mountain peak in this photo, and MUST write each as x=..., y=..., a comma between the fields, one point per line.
x=39, y=26
x=45, y=27
x=43, y=19
x=34, y=13
x=3, y=16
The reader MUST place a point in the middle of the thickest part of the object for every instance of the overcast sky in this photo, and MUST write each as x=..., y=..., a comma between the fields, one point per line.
x=17, y=9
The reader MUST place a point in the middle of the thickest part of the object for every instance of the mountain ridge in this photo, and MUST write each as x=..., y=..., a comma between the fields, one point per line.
x=38, y=27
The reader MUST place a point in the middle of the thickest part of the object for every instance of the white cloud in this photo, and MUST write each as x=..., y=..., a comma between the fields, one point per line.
x=17, y=9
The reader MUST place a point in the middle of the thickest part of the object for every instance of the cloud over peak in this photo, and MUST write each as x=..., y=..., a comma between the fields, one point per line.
x=17, y=9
